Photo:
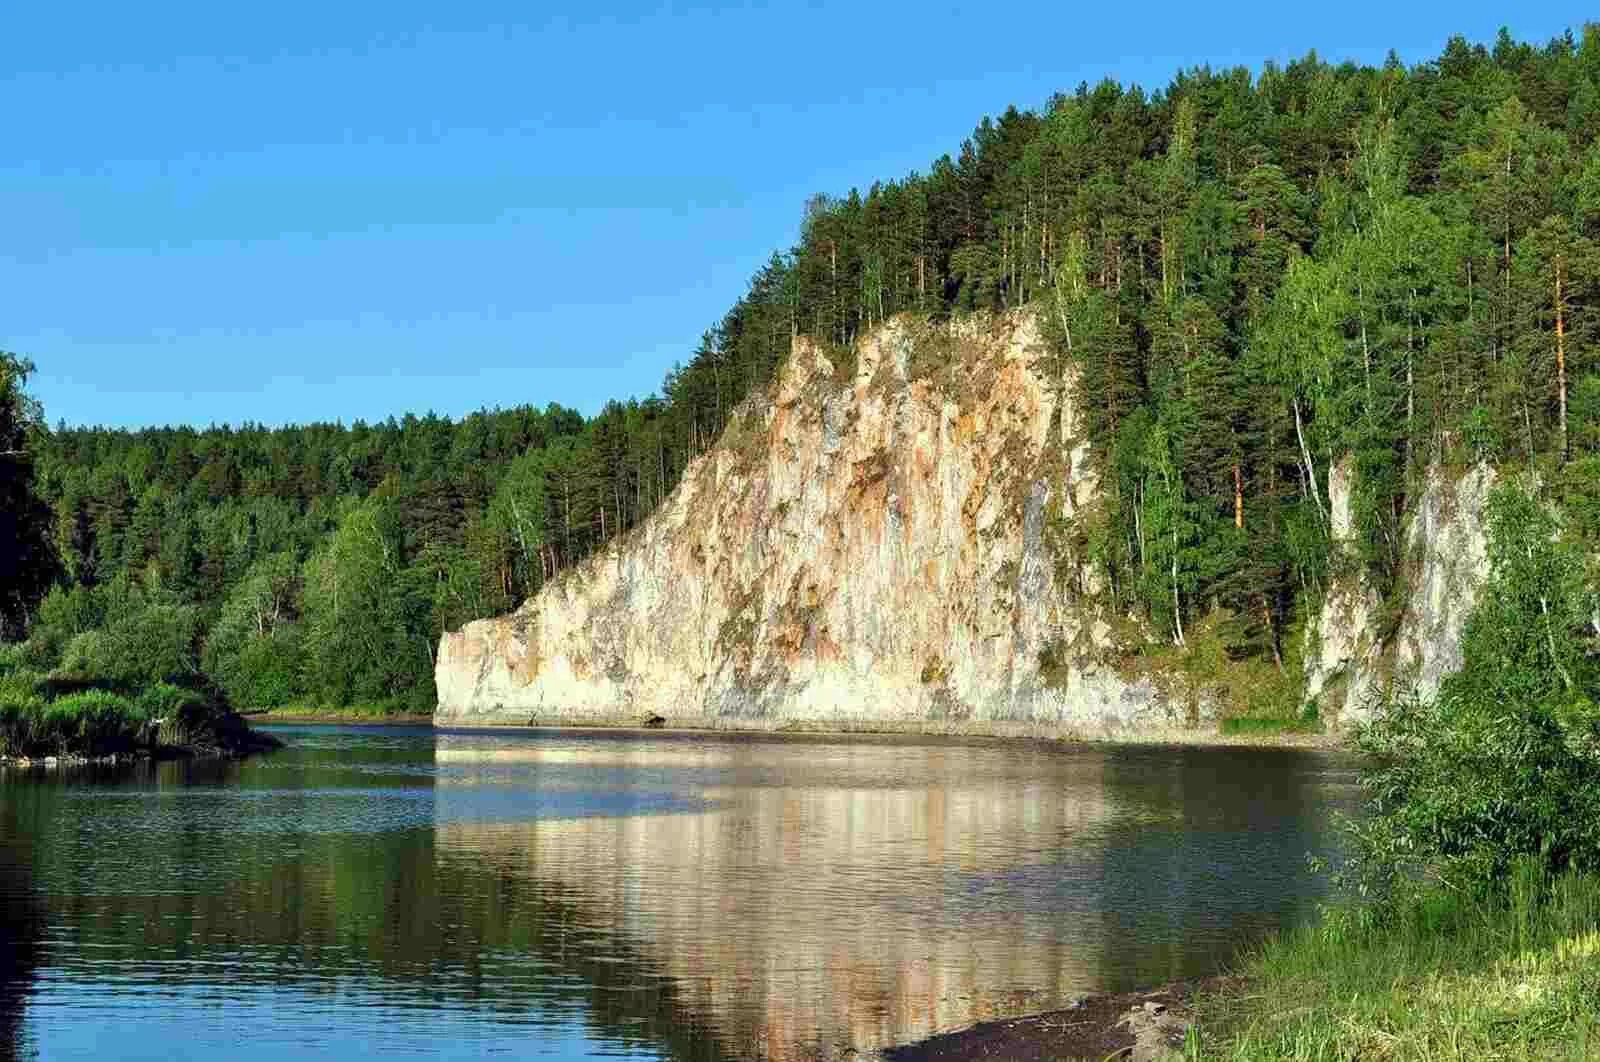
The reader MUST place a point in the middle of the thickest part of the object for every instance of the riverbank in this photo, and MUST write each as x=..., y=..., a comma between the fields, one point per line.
x=245, y=742
x=1165, y=734
x=1441, y=976
x=49, y=721
x=338, y=716
x=1141, y=1026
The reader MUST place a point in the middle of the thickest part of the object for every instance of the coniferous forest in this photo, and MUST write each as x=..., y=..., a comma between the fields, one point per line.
x=1254, y=274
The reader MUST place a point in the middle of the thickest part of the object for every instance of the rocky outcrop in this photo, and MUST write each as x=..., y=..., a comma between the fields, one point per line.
x=1350, y=661
x=883, y=541
x=889, y=537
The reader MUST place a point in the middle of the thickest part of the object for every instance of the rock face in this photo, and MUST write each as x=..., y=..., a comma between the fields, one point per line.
x=879, y=542
x=1349, y=662
x=889, y=540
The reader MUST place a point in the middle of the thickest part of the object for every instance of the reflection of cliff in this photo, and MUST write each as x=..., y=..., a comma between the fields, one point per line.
x=830, y=896
x=853, y=897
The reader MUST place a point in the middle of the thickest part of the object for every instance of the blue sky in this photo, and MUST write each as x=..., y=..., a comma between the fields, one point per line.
x=315, y=211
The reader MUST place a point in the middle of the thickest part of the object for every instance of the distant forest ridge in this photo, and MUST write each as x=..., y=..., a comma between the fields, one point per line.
x=1251, y=277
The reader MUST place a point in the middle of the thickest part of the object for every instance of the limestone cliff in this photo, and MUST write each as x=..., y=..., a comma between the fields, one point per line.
x=1351, y=658
x=873, y=541
x=885, y=538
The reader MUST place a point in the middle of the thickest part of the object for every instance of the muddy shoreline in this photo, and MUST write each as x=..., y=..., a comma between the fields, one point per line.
x=256, y=743
x=1143, y=1026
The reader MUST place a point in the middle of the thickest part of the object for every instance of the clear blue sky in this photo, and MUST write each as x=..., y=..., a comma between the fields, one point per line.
x=293, y=211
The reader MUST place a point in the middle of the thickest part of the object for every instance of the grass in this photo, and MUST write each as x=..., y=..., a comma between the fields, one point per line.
x=1243, y=725
x=1441, y=976
x=90, y=723
x=362, y=710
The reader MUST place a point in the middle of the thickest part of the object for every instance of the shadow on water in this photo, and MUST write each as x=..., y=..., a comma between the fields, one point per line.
x=20, y=929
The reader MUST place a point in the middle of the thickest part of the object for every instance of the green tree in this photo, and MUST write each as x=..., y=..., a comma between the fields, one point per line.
x=26, y=561
x=255, y=650
x=361, y=635
x=1505, y=762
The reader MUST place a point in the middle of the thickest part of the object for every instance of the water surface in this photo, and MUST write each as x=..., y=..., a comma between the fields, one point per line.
x=607, y=895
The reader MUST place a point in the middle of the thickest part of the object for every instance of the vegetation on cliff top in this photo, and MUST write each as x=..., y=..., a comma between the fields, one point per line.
x=1253, y=275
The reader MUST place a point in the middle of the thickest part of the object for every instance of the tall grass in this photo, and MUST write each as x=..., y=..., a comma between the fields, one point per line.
x=95, y=722
x=91, y=723
x=1442, y=975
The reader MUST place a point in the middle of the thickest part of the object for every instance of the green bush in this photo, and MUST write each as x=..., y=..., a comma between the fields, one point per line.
x=178, y=716
x=151, y=644
x=12, y=657
x=20, y=683
x=261, y=672
x=1437, y=974
x=20, y=711
x=1241, y=725
x=63, y=614
x=1505, y=762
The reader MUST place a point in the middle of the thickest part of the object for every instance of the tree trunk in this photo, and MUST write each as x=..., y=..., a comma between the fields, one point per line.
x=1411, y=384
x=1272, y=632
x=1310, y=465
x=1561, y=360
x=1177, y=601
x=1238, y=497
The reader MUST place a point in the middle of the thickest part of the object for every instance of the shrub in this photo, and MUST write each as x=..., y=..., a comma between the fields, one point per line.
x=1505, y=762
x=1438, y=974
x=20, y=683
x=261, y=672
x=1243, y=725
x=177, y=716
x=19, y=715
x=151, y=644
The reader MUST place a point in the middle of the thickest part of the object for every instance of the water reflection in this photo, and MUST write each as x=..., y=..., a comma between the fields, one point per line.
x=853, y=895
x=667, y=897
x=19, y=930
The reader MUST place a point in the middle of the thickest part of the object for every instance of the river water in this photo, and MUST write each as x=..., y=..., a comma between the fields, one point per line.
x=411, y=892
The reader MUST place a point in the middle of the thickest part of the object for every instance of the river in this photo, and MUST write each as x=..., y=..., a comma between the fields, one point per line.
x=410, y=892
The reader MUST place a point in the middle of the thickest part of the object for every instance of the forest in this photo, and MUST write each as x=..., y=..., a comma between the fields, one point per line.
x=1252, y=274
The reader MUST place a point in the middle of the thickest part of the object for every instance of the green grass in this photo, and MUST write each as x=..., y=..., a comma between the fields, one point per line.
x=383, y=709
x=1441, y=976
x=91, y=723
x=1249, y=724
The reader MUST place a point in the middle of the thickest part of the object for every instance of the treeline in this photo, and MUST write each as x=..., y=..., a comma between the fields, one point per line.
x=1256, y=278
x=1250, y=278
x=319, y=564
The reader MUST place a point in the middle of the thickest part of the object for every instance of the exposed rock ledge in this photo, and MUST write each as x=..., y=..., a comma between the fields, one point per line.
x=1348, y=661
x=890, y=549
